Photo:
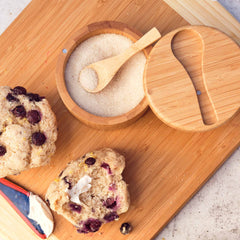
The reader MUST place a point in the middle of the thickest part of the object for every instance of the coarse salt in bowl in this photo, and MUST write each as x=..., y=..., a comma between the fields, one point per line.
x=123, y=100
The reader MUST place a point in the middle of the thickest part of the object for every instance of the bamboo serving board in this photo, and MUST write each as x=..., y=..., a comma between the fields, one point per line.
x=164, y=167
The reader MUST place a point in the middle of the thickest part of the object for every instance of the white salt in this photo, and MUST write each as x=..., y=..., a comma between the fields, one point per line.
x=123, y=93
x=88, y=78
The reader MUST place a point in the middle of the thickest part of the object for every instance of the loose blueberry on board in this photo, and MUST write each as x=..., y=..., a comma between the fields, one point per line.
x=126, y=228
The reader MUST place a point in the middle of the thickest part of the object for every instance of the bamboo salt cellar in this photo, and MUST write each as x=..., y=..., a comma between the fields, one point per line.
x=102, y=72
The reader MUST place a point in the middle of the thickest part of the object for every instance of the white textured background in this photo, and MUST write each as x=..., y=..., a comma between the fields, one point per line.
x=214, y=212
x=233, y=6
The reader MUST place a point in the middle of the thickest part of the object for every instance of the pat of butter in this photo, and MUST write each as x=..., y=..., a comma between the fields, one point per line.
x=39, y=212
x=83, y=185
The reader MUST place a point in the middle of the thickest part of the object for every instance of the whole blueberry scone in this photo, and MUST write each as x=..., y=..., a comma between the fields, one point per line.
x=90, y=191
x=28, y=130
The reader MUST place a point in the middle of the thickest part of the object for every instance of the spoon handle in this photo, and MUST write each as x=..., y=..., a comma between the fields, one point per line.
x=150, y=37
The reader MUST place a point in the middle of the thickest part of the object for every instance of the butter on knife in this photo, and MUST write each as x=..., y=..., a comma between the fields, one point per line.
x=30, y=207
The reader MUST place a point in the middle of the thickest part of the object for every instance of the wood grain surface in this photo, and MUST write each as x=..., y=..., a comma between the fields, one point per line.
x=209, y=13
x=164, y=167
x=192, y=78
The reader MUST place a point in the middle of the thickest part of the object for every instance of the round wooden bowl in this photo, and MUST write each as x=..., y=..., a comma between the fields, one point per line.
x=84, y=116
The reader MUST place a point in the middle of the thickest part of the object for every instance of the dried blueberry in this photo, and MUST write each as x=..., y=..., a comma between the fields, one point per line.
x=11, y=98
x=68, y=182
x=91, y=225
x=90, y=161
x=19, y=90
x=111, y=216
x=75, y=207
x=19, y=111
x=47, y=201
x=81, y=230
x=110, y=203
x=112, y=187
x=125, y=228
x=107, y=167
x=2, y=150
x=33, y=116
x=38, y=138
x=34, y=97
x=60, y=174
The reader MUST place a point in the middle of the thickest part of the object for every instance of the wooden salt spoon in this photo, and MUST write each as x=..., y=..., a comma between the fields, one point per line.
x=96, y=76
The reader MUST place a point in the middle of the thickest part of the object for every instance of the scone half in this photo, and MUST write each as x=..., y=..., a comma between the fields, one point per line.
x=90, y=191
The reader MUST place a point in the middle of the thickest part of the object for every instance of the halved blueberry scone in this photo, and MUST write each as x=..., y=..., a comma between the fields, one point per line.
x=90, y=191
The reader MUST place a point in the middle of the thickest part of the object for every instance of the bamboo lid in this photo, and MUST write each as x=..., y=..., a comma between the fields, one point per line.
x=192, y=78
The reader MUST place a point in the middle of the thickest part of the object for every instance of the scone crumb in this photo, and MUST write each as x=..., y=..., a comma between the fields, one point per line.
x=91, y=154
x=80, y=164
x=39, y=152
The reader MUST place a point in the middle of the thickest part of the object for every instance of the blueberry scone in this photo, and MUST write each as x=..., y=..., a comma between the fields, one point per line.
x=90, y=191
x=28, y=130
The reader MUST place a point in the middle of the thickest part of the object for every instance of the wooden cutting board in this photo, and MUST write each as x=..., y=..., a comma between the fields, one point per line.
x=164, y=167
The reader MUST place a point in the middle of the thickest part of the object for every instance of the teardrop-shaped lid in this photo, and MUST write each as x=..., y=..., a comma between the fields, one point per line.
x=192, y=78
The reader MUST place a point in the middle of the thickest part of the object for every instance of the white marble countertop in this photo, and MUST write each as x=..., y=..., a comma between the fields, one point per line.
x=214, y=212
